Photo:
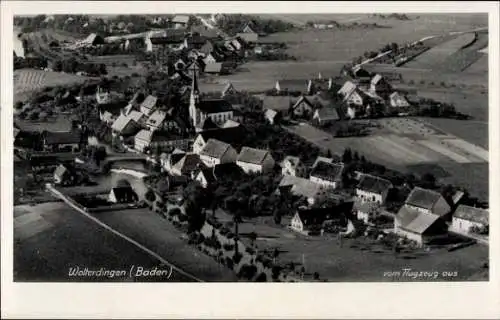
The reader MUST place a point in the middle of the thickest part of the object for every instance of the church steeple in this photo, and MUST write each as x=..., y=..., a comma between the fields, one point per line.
x=194, y=98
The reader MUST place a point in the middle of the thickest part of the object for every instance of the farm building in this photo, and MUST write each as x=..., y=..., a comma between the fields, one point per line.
x=312, y=221
x=301, y=187
x=320, y=159
x=124, y=194
x=248, y=28
x=61, y=141
x=380, y=86
x=428, y=201
x=324, y=116
x=327, y=174
x=227, y=135
x=272, y=116
x=167, y=161
x=351, y=94
x=292, y=166
x=161, y=120
x=253, y=160
x=188, y=164
x=302, y=107
x=180, y=21
x=64, y=175
x=373, y=189
x=277, y=103
x=217, y=152
x=466, y=218
x=419, y=226
x=397, y=100
x=292, y=86
x=248, y=37
x=366, y=211
x=148, y=105
x=208, y=176
x=125, y=126
x=146, y=140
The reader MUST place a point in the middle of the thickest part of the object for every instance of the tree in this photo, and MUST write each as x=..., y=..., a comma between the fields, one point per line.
x=196, y=219
x=18, y=105
x=150, y=196
x=347, y=156
x=253, y=237
x=99, y=154
x=428, y=180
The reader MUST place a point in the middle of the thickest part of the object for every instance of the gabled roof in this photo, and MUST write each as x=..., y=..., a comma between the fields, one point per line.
x=136, y=115
x=374, y=184
x=189, y=162
x=327, y=113
x=248, y=36
x=180, y=19
x=322, y=159
x=230, y=124
x=270, y=114
x=146, y=135
x=328, y=171
x=281, y=103
x=423, y=198
x=300, y=186
x=156, y=118
x=319, y=215
x=121, y=123
x=214, y=106
x=376, y=79
x=61, y=170
x=365, y=206
x=347, y=89
x=253, y=156
x=149, y=102
x=215, y=148
x=300, y=100
x=124, y=191
x=472, y=214
x=228, y=135
x=415, y=221
x=292, y=85
x=220, y=170
x=208, y=124
x=69, y=137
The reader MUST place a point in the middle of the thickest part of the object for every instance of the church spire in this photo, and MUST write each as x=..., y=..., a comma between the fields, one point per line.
x=194, y=98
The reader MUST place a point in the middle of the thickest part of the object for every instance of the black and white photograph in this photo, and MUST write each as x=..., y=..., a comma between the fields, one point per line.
x=242, y=147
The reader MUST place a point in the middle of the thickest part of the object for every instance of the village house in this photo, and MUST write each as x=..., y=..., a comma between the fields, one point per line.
x=366, y=211
x=125, y=126
x=148, y=105
x=302, y=107
x=429, y=201
x=249, y=37
x=253, y=160
x=325, y=116
x=227, y=135
x=209, y=58
x=419, y=226
x=64, y=175
x=124, y=194
x=206, y=125
x=219, y=89
x=311, y=221
x=167, y=161
x=380, y=86
x=180, y=21
x=230, y=124
x=68, y=141
x=373, y=189
x=351, y=94
x=322, y=159
x=272, y=116
x=217, y=152
x=292, y=86
x=397, y=100
x=465, y=219
x=160, y=120
x=43, y=163
x=147, y=140
x=188, y=164
x=301, y=187
x=280, y=104
x=292, y=165
x=248, y=28
x=328, y=175
x=208, y=176
x=214, y=68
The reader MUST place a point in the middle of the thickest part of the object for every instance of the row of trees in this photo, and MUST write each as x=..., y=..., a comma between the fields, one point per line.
x=72, y=65
x=235, y=23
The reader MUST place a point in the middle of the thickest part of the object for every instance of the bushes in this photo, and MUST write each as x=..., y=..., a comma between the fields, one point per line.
x=247, y=271
x=228, y=247
x=229, y=263
x=237, y=257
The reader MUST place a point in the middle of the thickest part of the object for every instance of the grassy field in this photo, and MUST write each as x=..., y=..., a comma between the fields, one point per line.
x=480, y=66
x=347, y=44
x=354, y=259
x=62, y=122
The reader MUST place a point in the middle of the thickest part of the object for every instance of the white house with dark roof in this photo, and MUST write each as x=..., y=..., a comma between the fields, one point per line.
x=188, y=164
x=302, y=187
x=64, y=175
x=366, y=211
x=397, y=100
x=466, y=217
x=253, y=160
x=292, y=166
x=326, y=115
x=149, y=139
x=327, y=174
x=217, y=152
x=227, y=135
x=373, y=189
x=61, y=141
x=124, y=126
x=419, y=226
x=302, y=107
x=428, y=201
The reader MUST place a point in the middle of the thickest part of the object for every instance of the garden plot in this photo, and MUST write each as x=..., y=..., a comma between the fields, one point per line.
x=29, y=80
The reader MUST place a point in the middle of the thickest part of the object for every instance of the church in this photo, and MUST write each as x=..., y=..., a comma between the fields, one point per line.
x=218, y=110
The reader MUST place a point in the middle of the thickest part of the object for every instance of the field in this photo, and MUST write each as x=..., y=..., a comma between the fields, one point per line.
x=27, y=81
x=354, y=259
x=480, y=66
x=60, y=123
x=320, y=45
x=410, y=145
